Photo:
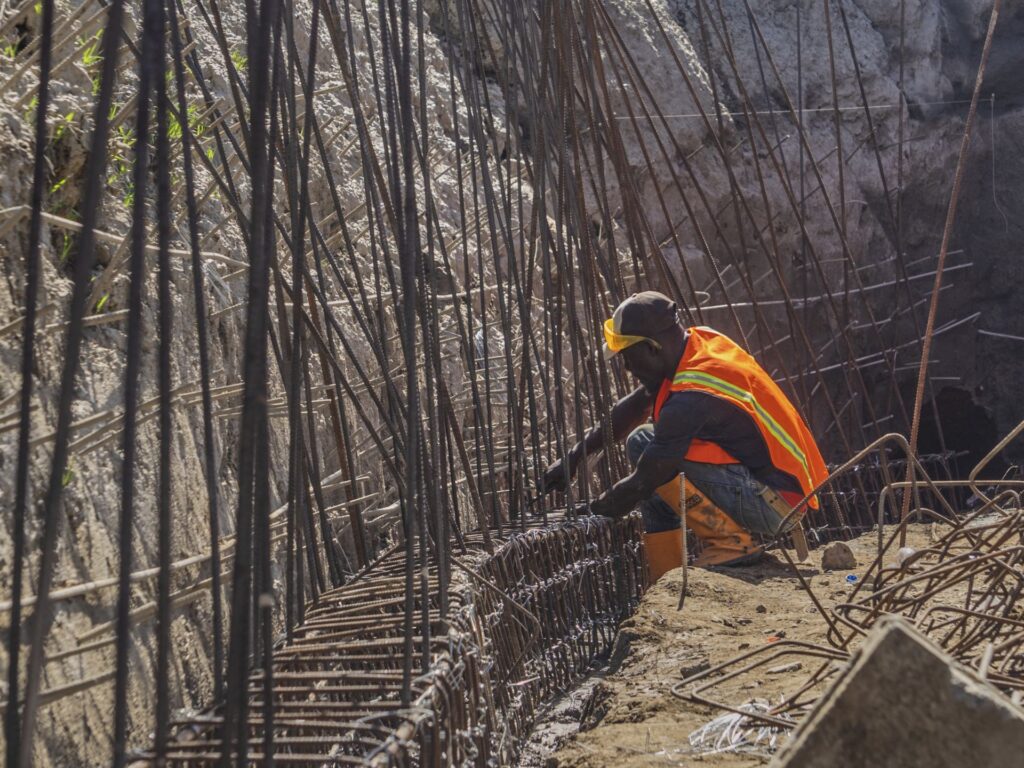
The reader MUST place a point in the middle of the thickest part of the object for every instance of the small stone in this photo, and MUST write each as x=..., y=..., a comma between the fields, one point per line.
x=838, y=557
x=761, y=609
x=695, y=668
x=783, y=669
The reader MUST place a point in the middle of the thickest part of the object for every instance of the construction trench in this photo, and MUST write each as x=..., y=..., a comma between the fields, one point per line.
x=301, y=297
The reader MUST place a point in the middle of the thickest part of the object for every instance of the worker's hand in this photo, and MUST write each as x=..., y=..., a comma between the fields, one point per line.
x=555, y=478
x=605, y=506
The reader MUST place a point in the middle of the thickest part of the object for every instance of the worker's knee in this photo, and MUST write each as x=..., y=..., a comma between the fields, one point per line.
x=637, y=442
x=734, y=490
x=659, y=516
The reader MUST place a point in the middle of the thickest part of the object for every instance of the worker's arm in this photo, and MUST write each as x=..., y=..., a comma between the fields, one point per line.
x=627, y=414
x=681, y=418
x=650, y=474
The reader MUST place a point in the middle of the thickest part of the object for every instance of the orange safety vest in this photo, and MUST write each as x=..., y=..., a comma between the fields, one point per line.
x=716, y=365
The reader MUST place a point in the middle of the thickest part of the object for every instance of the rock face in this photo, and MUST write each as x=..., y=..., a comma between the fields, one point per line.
x=76, y=730
x=904, y=702
x=724, y=196
x=725, y=180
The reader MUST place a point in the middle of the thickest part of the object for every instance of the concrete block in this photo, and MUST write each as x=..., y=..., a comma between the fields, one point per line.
x=903, y=702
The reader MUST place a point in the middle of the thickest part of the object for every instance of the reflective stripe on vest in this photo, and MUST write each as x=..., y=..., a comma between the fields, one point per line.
x=766, y=419
x=714, y=364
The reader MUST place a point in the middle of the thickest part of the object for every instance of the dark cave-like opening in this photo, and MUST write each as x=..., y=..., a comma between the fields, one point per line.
x=968, y=431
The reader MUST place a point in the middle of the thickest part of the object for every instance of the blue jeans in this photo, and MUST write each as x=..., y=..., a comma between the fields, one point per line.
x=730, y=487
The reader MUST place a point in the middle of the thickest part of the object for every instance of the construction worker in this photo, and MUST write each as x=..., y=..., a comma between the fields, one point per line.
x=719, y=418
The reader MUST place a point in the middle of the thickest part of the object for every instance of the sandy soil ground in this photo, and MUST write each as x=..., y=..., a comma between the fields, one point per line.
x=629, y=717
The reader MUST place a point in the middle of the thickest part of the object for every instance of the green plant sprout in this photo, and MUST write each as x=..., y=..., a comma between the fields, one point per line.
x=91, y=57
x=30, y=113
x=197, y=126
x=123, y=142
x=91, y=53
x=240, y=59
x=126, y=135
x=63, y=124
x=65, y=249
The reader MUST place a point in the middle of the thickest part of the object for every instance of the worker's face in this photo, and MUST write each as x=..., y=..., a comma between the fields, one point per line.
x=644, y=361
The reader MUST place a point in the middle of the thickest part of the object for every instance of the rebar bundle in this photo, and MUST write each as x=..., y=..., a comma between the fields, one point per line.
x=963, y=591
x=335, y=696
x=305, y=295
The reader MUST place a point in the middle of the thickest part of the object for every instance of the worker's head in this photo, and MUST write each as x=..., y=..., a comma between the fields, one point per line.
x=645, y=333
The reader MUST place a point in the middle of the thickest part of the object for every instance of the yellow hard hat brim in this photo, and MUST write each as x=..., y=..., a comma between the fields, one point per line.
x=616, y=342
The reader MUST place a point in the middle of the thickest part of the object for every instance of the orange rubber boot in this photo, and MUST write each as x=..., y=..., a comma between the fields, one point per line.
x=664, y=552
x=723, y=540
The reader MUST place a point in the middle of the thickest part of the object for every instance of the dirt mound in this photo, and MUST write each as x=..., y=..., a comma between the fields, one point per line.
x=638, y=722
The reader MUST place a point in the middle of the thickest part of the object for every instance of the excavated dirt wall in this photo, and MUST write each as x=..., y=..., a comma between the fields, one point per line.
x=980, y=357
x=940, y=56
x=76, y=729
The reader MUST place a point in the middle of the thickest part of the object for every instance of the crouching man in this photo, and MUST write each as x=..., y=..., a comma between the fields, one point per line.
x=719, y=418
